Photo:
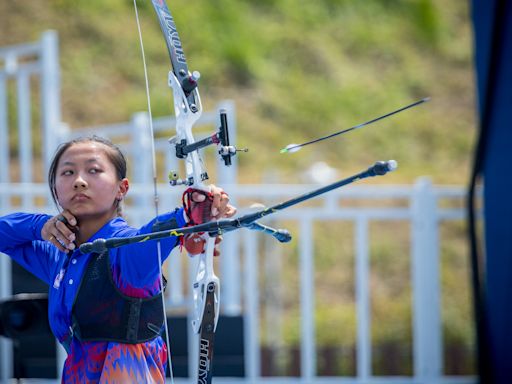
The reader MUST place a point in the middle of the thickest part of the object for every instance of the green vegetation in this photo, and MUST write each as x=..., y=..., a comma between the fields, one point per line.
x=295, y=69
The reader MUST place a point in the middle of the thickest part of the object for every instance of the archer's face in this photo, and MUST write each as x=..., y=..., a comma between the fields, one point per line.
x=86, y=182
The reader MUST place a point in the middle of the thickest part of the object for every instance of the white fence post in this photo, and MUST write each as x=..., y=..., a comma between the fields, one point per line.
x=362, y=270
x=230, y=266
x=251, y=319
x=425, y=283
x=307, y=301
x=50, y=94
x=4, y=136
x=141, y=160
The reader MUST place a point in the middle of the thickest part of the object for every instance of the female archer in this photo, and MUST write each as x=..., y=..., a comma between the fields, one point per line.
x=106, y=309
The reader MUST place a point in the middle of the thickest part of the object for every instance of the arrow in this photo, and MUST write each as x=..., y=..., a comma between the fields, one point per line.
x=291, y=148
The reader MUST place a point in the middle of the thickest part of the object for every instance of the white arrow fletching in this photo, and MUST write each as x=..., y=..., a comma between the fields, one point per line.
x=291, y=148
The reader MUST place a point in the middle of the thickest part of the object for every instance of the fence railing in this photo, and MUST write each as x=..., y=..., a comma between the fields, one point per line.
x=423, y=206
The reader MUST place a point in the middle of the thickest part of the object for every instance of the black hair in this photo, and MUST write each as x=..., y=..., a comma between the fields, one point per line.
x=113, y=153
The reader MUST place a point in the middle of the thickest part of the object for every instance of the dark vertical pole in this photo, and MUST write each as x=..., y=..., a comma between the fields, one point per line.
x=489, y=18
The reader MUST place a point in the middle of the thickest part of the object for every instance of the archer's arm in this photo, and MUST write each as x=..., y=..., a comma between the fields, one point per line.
x=20, y=239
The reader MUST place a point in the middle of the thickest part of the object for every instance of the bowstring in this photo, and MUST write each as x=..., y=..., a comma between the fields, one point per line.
x=155, y=188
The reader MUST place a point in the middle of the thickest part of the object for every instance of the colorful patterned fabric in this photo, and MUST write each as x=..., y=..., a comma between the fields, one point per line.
x=100, y=362
x=135, y=272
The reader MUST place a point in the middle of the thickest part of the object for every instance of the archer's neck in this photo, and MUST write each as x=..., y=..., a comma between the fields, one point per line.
x=89, y=225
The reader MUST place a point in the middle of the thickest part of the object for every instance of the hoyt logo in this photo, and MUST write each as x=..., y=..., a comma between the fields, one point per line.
x=204, y=361
x=175, y=39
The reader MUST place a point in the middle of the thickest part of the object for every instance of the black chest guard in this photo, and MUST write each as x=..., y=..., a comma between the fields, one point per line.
x=102, y=313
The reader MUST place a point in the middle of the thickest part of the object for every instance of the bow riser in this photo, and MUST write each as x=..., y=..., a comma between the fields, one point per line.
x=196, y=174
x=185, y=120
x=206, y=283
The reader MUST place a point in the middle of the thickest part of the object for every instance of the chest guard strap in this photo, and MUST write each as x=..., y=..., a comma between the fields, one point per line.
x=102, y=313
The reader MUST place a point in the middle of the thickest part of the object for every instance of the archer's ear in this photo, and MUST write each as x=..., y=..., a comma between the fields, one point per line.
x=124, y=186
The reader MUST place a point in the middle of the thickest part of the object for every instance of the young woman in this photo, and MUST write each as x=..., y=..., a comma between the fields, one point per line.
x=104, y=308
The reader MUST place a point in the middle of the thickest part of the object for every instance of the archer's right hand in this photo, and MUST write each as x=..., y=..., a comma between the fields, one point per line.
x=60, y=231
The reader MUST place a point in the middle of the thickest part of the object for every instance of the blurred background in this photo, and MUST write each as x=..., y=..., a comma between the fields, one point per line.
x=296, y=70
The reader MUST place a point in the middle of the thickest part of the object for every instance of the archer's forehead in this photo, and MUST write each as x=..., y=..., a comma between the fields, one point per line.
x=84, y=153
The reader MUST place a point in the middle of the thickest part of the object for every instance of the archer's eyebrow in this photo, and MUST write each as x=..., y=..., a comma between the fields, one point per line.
x=89, y=161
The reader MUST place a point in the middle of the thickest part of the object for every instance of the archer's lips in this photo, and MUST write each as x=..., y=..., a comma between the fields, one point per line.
x=80, y=197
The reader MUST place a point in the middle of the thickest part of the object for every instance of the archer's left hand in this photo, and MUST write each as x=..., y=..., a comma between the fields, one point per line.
x=202, y=207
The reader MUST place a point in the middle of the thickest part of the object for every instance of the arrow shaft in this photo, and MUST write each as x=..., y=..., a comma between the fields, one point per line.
x=359, y=125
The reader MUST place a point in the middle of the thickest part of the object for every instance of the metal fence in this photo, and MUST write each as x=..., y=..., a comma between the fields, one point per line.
x=426, y=207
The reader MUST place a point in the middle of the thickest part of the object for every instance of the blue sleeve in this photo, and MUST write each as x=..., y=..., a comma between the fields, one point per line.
x=138, y=263
x=20, y=238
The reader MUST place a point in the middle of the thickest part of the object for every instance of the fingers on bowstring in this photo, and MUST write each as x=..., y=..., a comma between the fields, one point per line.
x=67, y=218
x=221, y=206
x=63, y=233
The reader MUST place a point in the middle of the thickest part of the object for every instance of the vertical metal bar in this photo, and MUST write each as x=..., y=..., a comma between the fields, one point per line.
x=252, y=313
x=193, y=338
x=272, y=269
x=4, y=139
x=141, y=158
x=50, y=95
x=175, y=273
x=307, y=299
x=25, y=135
x=425, y=283
x=230, y=267
x=363, y=354
x=230, y=270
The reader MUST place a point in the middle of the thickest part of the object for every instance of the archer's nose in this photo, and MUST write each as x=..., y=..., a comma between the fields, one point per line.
x=79, y=183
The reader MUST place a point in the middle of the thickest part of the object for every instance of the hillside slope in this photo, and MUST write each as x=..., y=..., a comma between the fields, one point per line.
x=295, y=69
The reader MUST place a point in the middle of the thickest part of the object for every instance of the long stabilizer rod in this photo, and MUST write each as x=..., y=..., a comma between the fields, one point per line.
x=249, y=221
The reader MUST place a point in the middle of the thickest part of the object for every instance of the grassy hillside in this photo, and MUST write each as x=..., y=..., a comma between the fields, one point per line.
x=296, y=69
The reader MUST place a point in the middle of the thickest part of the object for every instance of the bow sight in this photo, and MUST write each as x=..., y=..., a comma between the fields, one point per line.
x=220, y=138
